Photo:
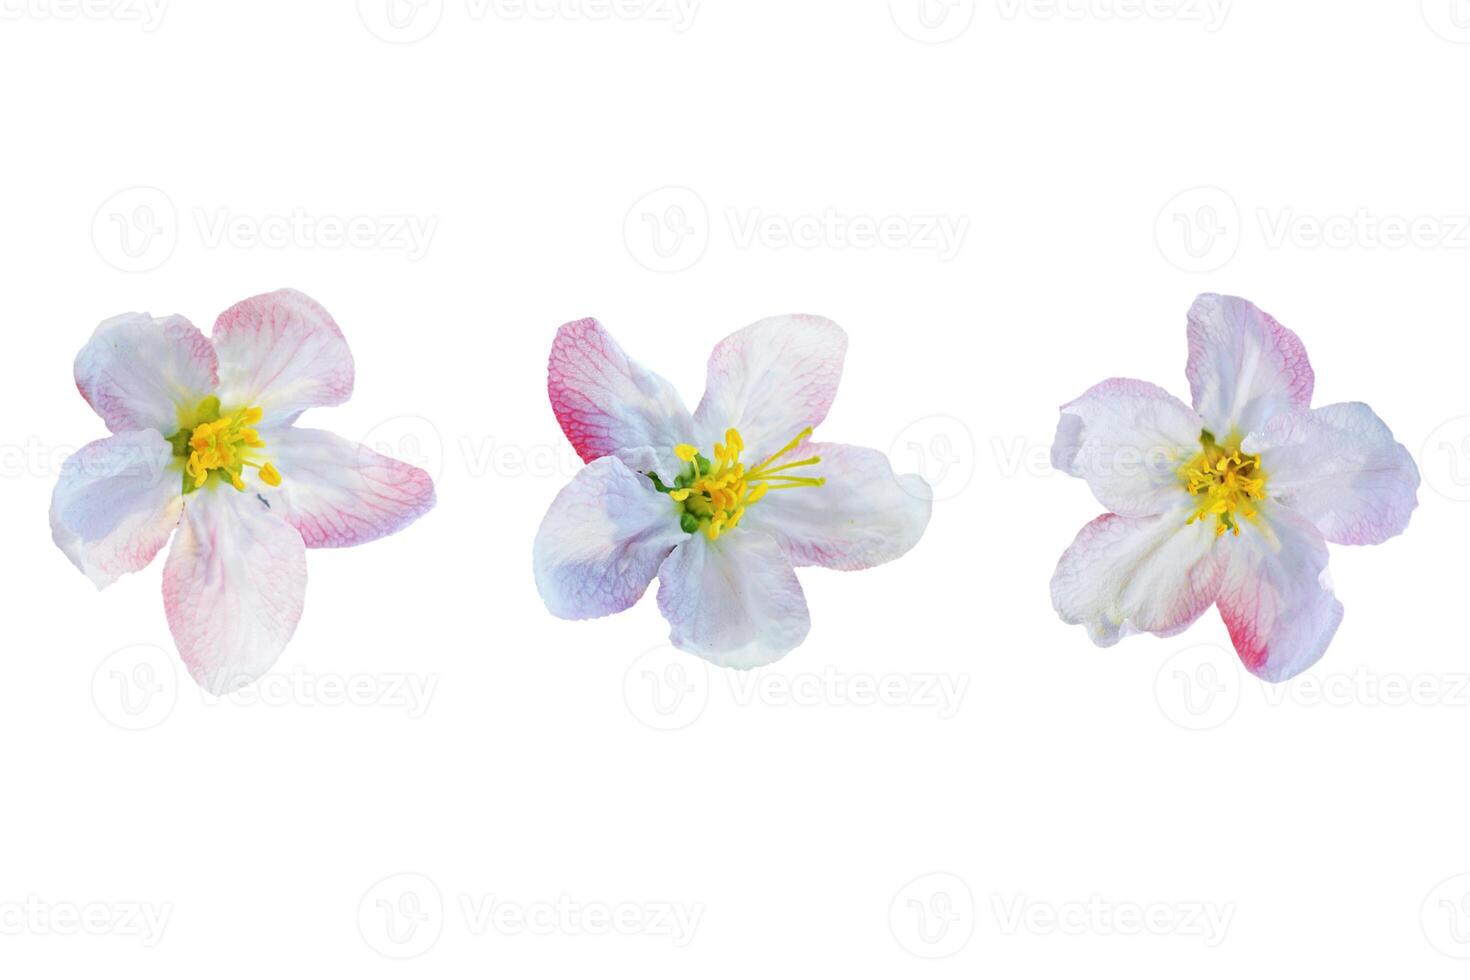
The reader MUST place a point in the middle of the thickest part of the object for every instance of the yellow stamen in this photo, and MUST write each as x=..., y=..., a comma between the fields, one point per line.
x=716, y=499
x=1225, y=482
x=223, y=444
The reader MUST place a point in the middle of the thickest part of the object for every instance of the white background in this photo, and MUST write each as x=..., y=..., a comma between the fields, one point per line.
x=1147, y=811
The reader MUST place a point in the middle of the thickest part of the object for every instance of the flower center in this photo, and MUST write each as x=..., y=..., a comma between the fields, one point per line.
x=713, y=496
x=1224, y=482
x=212, y=443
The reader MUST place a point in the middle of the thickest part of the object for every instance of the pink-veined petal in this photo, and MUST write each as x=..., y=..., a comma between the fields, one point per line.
x=771, y=380
x=1339, y=467
x=138, y=371
x=734, y=601
x=1244, y=367
x=602, y=541
x=1275, y=598
x=864, y=515
x=606, y=402
x=283, y=353
x=115, y=504
x=1128, y=439
x=337, y=493
x=1125, y=575
x=233, y=587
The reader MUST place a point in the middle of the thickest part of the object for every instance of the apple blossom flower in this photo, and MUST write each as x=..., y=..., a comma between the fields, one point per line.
x=205, y=450
x=722, y=504
x=1229, y=503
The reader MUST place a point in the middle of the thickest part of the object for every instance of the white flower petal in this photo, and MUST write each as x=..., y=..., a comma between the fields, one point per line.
x=283, y=353
x=1276, y=599
x=233, y=587
x=1244, y=367
x=771, y=380
x=1124, y=575
x=115, y=504
x=863, y=516
x=606, y=402
x=137, y=371
x=734, y=601
x=1339, y=467
x=1128, y=439
x=661, y=460
x=337, y=493
x=602, y=541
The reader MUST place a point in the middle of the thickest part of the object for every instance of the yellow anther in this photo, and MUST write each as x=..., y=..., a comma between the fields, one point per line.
x=716, y=499
x=221, y=444
x=1225, y=481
